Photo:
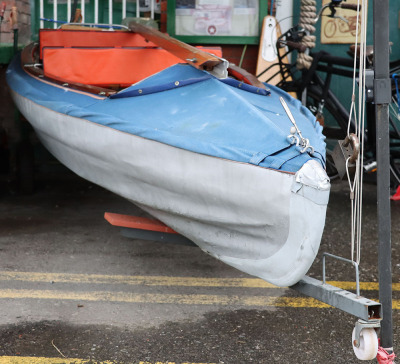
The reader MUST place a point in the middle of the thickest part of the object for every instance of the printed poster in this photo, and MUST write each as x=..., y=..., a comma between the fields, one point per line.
x=341, y=30
x=217, y=17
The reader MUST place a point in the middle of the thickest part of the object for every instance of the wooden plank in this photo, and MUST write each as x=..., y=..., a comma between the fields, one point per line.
x=136, y=222
x=196, y=57
x=243, y=75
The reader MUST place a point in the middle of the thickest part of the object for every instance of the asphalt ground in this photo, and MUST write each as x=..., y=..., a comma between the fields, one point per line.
x=73, y=290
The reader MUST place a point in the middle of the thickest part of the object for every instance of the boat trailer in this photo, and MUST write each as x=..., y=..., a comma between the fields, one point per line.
x=368, y=312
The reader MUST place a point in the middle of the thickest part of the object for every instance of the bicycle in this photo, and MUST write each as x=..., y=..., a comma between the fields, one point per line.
x=317, y=95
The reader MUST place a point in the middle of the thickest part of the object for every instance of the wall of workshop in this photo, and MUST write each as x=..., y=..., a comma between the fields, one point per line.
x=341, y=86
x=11, y=132
x=7, y=32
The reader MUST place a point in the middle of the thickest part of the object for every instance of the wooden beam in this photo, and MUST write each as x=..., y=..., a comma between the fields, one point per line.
x=136, y=222
x=195, y=57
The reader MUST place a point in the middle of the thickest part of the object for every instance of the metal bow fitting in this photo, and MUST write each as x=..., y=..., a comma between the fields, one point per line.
x=298, y=139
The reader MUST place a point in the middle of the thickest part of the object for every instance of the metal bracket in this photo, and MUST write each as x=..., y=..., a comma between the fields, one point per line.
x=370, y=312
x=382, y=90
x=221, y=70
x=360, y=325
x=345, y=155
x=361, y=307
x=369, y=85
x=355, y=265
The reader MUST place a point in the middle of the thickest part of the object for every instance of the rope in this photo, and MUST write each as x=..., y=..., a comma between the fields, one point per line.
x=308, y=13
x=356, y=190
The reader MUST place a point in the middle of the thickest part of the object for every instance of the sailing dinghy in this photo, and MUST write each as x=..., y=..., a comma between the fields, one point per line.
x=234, y=165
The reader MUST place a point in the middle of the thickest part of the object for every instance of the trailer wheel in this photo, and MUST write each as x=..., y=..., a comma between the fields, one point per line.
x=368, y=346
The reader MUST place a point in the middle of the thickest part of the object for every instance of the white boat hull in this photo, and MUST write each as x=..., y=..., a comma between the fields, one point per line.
x=264, y=222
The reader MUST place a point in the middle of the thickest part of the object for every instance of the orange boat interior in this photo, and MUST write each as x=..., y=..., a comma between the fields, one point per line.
x=102, y=58
x=104, y=62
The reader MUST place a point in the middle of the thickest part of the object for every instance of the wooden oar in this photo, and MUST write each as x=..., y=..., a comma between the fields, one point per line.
x=196, y=57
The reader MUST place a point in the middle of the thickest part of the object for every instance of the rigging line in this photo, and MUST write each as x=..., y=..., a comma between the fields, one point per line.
x=362, y=126
x=357, y=223
x=353, y=185
x=356, y=190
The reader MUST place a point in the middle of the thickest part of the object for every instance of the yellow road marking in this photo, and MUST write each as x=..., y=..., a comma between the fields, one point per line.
x=181, y=299
x=164, y=281
x=134, y=280
x=43, y=360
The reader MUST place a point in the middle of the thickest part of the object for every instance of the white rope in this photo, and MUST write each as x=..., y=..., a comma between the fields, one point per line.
x=308, y=13
x=358, y=111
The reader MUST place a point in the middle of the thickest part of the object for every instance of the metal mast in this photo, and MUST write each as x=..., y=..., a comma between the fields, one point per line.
x=382, y=98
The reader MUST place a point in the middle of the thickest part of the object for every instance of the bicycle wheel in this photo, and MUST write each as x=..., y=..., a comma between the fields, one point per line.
x=394, y=116
x=335, y=129
x=394, y=124
x=335, y=123
x=331, y=130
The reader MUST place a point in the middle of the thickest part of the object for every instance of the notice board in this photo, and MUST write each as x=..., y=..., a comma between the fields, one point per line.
x=216, y=21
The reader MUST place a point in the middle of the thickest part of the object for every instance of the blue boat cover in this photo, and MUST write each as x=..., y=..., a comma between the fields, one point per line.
x=220, y=119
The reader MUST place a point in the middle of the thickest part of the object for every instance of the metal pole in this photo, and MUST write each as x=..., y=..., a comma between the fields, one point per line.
x=382, y=98
x=110, y=11
x=83, y=11
x=69, y=10
x=123, y=9
x=55, y=13
x=96, y=11
x=41, y=13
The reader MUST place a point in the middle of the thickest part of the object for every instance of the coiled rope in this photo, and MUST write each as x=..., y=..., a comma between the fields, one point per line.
x=308, y=13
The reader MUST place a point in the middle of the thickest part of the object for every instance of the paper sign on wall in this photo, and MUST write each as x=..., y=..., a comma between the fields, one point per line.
x=343, y=29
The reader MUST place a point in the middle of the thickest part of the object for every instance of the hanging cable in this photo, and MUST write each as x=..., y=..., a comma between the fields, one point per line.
x=357, y=110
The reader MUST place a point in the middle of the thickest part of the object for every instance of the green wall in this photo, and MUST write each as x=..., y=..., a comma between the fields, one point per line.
x=89, y=11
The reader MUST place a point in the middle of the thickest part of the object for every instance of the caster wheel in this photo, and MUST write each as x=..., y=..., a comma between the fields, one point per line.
x=368, y=348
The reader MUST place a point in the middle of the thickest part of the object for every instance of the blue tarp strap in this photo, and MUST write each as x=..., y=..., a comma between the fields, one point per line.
x=271, y=161
x=258, y=158
x=159, y=88
x=276, y=162
x=245, y=86
x=190, y=81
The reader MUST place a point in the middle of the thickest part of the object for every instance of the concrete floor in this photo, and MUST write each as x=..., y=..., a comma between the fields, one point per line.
x=69, y=280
